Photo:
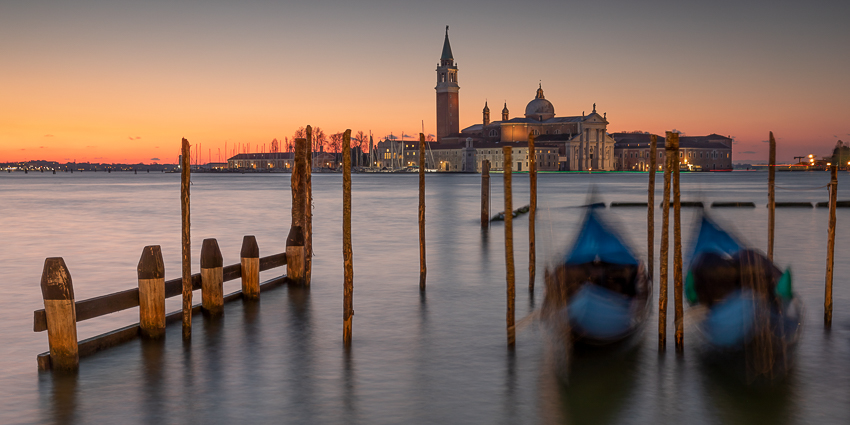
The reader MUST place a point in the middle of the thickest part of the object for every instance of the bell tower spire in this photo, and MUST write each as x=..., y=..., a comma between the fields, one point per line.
x=447, y=92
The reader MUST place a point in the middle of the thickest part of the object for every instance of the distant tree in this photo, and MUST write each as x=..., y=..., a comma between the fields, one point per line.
x=275, y=146
x=840, y=154
x=319, y=139
x=429, y=138
x=299, y=134
x=360, y=138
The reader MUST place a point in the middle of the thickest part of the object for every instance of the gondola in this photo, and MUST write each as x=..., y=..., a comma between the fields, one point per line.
x=599, y=292
x=750, y=312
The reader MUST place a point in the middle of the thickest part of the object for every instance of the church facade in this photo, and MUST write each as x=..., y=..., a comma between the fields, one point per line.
x=582, y=142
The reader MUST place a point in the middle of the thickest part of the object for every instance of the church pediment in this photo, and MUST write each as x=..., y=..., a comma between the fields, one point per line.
x=595, y=118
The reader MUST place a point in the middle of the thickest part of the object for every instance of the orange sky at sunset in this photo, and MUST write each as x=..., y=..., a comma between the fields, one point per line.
x=81, y=80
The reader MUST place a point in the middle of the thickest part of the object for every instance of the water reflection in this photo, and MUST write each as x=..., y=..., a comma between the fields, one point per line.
x=511, y=399
x=300, y=344
x=600, y=382
x=153, y=373
x=737, y=402
x=63, y=395
x=586, y=385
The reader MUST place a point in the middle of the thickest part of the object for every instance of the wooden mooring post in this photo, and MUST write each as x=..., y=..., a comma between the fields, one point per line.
x=830, y=246
x=771, y=196
x=485, y=193
x=151, y=274
x=185, y=174
x=295, y=242
x=423, y=270
x=677, y=247
x=212, y=278
x=347, y=254
x=532, y=211
x=509, y=248
x=650, y=211
x=665, y=245
x=308, y=211
x=57, y=290
x=250, y=261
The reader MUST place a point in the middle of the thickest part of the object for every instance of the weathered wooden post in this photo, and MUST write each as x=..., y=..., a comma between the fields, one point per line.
x=185, y=167
x=151, y=271
x=509, y=247
x=347, y=254
x=250, y=261
x=677, y=247
x=830, y=246
x=665, y=244
x=650, y=212
x=58, y=293
x=308, y=211
x=532, y=210
x=212, y=278
x=485, y=193
x=423, y=270
x=771, y=197
x=295, y=249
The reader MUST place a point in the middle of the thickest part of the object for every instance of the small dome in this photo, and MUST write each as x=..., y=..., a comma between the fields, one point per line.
x=540, y=108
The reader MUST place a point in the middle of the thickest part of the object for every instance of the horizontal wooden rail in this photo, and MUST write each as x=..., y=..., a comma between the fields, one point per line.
x=109, y=339
x=118, y=301
x=733, y=204
x=838, y=204
x=684, y=204
x=794, y=205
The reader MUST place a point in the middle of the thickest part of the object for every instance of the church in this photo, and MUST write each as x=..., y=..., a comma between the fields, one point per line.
x=582, y=142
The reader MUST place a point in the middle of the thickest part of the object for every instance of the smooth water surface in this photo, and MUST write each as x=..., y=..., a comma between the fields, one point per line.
x=433, y=357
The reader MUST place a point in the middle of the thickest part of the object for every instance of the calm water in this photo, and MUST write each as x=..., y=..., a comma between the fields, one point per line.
x=433, y=358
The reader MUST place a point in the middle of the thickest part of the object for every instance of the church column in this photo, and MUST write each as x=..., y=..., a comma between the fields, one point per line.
x=600, y=156
x=580, y=163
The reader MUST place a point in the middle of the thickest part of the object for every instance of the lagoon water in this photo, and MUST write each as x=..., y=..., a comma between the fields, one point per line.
x=435, y=357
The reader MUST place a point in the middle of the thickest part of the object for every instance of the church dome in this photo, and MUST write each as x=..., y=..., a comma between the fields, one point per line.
x=540, y=108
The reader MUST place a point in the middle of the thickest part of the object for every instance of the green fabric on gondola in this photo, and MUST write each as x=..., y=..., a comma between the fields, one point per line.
x=691, y=289
x=783, y=288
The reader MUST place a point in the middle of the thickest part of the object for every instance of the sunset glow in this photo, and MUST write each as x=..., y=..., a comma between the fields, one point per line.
x=123, y=82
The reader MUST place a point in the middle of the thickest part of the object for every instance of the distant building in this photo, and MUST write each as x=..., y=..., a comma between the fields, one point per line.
x=278, y=160
x=699, y=153
x=582, y=141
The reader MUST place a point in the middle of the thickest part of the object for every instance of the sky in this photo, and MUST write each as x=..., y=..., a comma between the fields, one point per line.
x=124, y=81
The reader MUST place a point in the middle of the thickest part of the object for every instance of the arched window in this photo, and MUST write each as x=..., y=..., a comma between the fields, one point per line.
x=535, y=132
x=557, y=131
x=494, y=133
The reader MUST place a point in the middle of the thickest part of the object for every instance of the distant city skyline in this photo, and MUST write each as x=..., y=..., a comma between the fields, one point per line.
x=124, y=81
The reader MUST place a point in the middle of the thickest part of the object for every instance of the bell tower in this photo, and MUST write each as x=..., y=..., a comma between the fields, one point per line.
x=447, y=92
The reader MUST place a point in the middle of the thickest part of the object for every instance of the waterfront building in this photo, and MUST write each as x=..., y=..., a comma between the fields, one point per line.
x=278, y=160
x=582, y=141
x=698, y=153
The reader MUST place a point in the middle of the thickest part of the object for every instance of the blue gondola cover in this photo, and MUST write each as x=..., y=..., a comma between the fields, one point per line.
x=597, y=242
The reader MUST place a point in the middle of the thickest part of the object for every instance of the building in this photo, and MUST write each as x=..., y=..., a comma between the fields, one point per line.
x=447, y=92
x=582, y=141
x=274, y=160
x=698, y=153
x=468, y=156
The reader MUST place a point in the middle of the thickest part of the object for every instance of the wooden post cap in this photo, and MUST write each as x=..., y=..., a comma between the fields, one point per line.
x=296, y=236
x=250, y=249
x=150, y=264
x=56, y=280
x=211, y=254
